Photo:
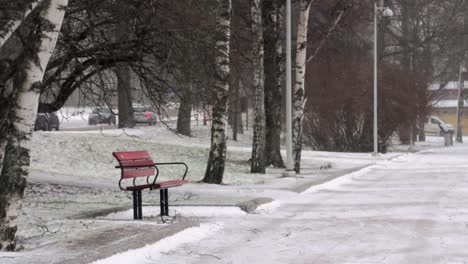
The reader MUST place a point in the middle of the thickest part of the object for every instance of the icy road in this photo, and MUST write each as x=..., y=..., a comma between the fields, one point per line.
x=413, y=209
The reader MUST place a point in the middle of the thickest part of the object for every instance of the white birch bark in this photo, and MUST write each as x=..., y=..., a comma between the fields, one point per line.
x=299, y=86
x=217, y=157
x=27, y=82
x=12, y=25
x=258, y=142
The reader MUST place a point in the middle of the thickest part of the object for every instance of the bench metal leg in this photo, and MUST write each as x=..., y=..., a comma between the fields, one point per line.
x=166, y=198
x=140, y=206
x=137, y=205
x=162, y=202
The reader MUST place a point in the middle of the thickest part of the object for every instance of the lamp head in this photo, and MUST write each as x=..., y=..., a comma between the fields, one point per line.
x=387, y=12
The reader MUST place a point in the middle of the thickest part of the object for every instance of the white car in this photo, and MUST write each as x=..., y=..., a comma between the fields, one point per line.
x=436, y=126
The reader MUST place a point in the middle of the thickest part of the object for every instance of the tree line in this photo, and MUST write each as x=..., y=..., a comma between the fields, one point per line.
x=208, y=53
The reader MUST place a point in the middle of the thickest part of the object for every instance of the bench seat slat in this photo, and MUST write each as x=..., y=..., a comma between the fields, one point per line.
x=168, y=184
x=140, y=172
x=131, y=155
x=144, y=162
x=159, y=185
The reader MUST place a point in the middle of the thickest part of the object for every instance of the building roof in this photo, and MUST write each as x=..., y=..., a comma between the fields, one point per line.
x=450, y=86
x=447, y=103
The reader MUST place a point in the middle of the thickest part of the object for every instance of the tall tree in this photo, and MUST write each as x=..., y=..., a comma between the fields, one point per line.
x=184, y=115
x=27, y=84
x=258, y=144
x=217, y=156
x=424, y=36
x=273, y=61
x=299, y=99
x=14, y=20
x=240, y=62
x=12, y=15
x=124, y=92
x=237, y=126
x=123, y=34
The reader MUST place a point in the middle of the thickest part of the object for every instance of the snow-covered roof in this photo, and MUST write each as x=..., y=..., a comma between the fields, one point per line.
x=447, y=103
x=449, y=86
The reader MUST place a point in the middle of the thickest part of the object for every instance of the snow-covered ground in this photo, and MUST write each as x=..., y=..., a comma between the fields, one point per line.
x=408, y=210
x=88, y=154
x=74, y=188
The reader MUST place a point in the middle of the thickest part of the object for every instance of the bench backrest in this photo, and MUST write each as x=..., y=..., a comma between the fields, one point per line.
x=128, y=160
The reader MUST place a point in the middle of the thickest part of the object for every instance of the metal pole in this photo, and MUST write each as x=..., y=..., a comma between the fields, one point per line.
x=375, y=78
x=461, y=97
x=289, y=159
x=461, y=86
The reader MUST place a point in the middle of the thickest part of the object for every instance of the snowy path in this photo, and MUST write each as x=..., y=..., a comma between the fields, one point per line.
x=409, y=210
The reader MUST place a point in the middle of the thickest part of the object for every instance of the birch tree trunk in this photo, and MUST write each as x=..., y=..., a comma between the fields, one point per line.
x=27, y=83
x=217, y=157
x=299, y=91
x=273, y=62
x=20, y=10
x=10, y=27
x=258, y=143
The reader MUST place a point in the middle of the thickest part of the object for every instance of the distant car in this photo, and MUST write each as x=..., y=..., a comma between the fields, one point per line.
x=144, y=114
x=436, y=126
x=101, y=116
x=47, y=122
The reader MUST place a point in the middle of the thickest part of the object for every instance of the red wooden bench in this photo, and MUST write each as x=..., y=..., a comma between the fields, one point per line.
x=136, y=164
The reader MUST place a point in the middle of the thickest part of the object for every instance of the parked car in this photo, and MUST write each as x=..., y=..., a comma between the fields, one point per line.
x=436, y=126
x=101, y=116
x=47, y=122
x=144, y=114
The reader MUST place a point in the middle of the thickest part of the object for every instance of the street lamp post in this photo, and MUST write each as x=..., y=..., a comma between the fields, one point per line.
x=289, y=160
x=378, y=12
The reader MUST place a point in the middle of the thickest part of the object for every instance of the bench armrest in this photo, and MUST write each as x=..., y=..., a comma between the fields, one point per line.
x=134, y=179
x=173, y=163
x=155, y=165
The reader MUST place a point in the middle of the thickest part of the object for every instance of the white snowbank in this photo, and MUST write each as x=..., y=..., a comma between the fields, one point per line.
x=339, y=182
x=268, y=207
x=151, y=252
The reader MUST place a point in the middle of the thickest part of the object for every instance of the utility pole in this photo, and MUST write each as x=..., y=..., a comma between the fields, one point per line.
x=461, y=83
x=460, y=104
x=289, y=159
x=379, y=11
